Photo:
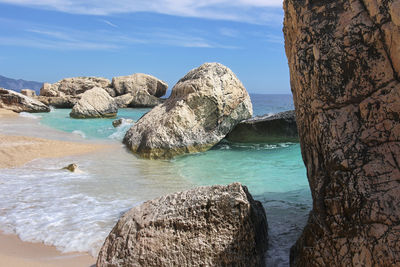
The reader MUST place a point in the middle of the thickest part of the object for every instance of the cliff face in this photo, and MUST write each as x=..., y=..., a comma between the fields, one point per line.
x=344, y=59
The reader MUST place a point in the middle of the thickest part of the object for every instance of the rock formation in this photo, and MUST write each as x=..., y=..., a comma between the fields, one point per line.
x=20, y=103
x=95, y=103
x=28, y=92
x=344, y=61
x=204, y=106
x=73, y=86
x=280, y=127
x=137, y=90
x=139, y=82
x=206, y=226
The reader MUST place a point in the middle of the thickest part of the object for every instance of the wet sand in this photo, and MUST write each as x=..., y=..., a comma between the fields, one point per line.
x=16, y=151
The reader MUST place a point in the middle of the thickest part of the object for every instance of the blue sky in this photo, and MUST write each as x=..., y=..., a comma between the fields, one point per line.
x=47, y=40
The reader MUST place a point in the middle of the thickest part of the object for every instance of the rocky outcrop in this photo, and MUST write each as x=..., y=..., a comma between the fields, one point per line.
x=204, y=106
x=280, y=127
x=20, y=103
x=137, y=90
x=139, y=82
x=95, y=103
x=73, y=86
x=206, y=226
x=28, y=92
x=344, y=61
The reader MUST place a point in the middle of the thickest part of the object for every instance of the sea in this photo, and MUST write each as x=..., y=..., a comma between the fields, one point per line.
x=40, y=202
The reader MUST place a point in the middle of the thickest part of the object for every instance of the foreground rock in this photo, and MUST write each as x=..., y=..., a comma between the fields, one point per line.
x=345, y=67
x=139, y=82
x=206, y=226
x=204, y=106
x=95, y=103
x=20, y=103
x=280, y=127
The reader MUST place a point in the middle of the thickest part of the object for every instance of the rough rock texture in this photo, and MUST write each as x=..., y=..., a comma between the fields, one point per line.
x=20, y=103
x=280, y=127
x=118, y=122
x=95, y=103
x=206, y=226
x=139, y=82
x=344, y=59
x=59, y=101
x=28, y=92
x=204, y=106
x=73, y=86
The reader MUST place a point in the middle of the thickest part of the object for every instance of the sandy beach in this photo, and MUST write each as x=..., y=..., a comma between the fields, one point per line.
x=16, y=151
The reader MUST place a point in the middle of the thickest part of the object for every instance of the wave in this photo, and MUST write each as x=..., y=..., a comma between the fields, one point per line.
x=29, y=115
x=80, y=133
x=121, y=130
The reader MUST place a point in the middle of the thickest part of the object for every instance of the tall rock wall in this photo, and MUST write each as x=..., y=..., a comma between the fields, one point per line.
x=344, y=59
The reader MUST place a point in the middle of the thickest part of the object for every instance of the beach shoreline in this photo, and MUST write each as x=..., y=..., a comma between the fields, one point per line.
x=16, y=151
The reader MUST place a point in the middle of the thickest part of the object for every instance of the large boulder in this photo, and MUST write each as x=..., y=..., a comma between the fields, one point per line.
x=95, y=103
x=73, y=86
x=140, y=99
x=20, y=103
x=205, y=226
x=204, y=106
x=344, y=61
x=139, y=82
x=280, y=127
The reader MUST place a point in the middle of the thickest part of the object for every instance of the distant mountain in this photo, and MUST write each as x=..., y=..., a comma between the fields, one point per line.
x=17, y=85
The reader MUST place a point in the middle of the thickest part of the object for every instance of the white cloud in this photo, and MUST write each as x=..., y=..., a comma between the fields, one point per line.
x=251, y=11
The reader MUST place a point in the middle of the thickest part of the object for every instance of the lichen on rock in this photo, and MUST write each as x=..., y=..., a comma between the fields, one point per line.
x=344, y=61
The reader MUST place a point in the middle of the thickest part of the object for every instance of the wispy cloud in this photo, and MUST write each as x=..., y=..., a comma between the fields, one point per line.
x=109, y=23
x=28, y=34
x=250, y=11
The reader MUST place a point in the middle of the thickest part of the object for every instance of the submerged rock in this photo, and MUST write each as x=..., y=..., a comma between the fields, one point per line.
x=118, y=122
x=139, y=82
x=20, y=103
x=204, y=106
x=71, y=167
x=205, y=226
x=280, y=127
x=344, y=61
x=95, y=103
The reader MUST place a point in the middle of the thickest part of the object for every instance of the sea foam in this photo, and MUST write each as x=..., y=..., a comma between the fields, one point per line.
x=29, y=115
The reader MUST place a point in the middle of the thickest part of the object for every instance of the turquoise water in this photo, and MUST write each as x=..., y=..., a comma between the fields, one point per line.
x=112, y=182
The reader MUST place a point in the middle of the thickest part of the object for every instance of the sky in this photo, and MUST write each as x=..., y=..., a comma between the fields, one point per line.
x=48, y=40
